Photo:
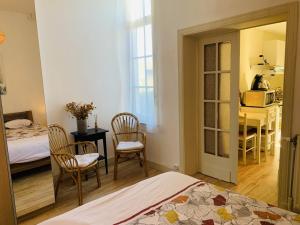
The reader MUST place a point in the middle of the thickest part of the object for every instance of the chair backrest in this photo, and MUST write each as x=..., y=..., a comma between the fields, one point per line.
x=57, y=137
x=243, y=122
x=125, y=127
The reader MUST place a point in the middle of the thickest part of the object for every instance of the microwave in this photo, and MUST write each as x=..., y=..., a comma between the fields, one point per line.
x=259, y=98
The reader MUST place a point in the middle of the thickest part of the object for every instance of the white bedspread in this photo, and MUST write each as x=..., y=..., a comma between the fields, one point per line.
x=173, y=198
x=28, y=149
x=120, y=205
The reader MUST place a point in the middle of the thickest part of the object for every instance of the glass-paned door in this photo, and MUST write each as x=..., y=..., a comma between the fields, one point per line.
x=219, y=73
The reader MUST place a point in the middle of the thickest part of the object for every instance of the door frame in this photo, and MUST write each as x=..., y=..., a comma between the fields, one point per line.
x=189, y=107
x=7, y=203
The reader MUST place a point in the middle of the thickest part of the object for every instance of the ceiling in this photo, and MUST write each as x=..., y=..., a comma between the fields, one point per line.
x=278, y=28
x=22, y=6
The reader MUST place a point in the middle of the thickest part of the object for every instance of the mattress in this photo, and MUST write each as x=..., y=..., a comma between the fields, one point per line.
x=27, y=144
x=174, y=198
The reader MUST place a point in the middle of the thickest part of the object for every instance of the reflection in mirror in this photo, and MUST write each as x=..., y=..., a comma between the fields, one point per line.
x=24, y=113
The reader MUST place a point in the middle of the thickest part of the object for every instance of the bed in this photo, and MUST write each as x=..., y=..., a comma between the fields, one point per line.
x=28, y=147
x=174, y=198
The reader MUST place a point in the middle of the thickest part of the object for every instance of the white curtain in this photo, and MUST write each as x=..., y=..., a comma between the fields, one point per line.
x=134, y=22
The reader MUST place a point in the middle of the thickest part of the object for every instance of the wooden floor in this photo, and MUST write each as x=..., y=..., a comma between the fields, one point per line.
x=129, y=173
x=256, y=181
x=33, y=191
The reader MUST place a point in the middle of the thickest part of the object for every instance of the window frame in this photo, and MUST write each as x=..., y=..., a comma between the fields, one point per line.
x=133, y=26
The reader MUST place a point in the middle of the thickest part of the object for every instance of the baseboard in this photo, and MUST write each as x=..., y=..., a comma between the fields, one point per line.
x=151, y=164
x=159, y=167
x=111, y=161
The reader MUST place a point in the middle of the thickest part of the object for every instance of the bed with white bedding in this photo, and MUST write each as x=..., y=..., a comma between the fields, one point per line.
x=28, y=146
x=174, y=198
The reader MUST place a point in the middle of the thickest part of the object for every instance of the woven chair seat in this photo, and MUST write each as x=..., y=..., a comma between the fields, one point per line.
x=129, y=145
x=86, y=159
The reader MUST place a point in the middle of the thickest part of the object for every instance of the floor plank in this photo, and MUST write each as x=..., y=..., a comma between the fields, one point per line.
x=255, y=181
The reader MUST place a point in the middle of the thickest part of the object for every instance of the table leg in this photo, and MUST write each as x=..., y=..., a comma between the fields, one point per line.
x=76, y=147
x=96, y=143
x=276, y=140
x=105, y=154
x=258, y=143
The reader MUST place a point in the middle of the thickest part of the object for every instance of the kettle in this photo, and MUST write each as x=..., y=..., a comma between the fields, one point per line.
x=260, y=83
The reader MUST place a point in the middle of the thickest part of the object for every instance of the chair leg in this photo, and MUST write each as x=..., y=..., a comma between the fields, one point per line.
x=145, y=163
x=116, y=166
x=273, y=145
x=79, y=187
x=140, y=159
x=57, y=183
x=255, y=148
x=266, y=144
x=98, y=175
x=244, y=152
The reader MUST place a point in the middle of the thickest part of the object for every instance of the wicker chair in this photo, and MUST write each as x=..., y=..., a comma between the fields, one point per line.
x=70, y=162
x=128, y=140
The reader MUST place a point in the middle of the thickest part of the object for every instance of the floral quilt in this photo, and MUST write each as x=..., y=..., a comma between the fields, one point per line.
x=206, y=204
x=26, y=132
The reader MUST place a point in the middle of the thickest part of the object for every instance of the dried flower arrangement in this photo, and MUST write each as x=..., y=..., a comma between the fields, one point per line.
x=80, y=111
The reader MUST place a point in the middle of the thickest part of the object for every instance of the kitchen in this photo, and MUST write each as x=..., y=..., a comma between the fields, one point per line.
x=262, y=55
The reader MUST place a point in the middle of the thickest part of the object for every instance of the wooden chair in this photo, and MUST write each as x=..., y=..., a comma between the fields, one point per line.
x=247, y=138
x=70, y=162
x=268, y=133
x=128, y=140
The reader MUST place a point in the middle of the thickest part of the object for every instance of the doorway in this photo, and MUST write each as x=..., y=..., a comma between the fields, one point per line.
x=261, y=86
x=190, y=88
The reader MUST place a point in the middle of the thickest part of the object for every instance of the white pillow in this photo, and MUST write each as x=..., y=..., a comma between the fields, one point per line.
x=19, y=123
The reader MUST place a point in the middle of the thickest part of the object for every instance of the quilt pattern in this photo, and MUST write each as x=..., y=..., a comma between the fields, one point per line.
x=206, y=204
x=26, y=132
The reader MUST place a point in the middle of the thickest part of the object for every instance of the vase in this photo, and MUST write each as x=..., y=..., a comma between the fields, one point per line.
x=82, y=126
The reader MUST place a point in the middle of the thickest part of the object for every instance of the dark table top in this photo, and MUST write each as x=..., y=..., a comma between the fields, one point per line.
x=89, y=132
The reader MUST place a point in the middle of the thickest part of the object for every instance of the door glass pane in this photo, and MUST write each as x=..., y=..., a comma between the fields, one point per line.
x=224, y=56
x=209, y=115
x=209, y=140
x=224, y=116
x=224, y=86
x=210, y=86
x=210, y=57
x=223, y=144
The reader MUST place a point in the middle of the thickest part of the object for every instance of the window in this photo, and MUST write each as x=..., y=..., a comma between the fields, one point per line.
x=141, y=61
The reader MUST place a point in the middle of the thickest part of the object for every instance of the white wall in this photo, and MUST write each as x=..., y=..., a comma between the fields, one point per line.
x=170, y=16
x=77, y=42
x=251, y=46
x=79, y=58
x=20, y=66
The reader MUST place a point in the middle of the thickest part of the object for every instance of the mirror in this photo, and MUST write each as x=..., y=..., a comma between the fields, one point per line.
x=24, y=112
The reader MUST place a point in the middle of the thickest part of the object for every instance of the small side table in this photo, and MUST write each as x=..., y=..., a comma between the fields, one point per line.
x=94, y=135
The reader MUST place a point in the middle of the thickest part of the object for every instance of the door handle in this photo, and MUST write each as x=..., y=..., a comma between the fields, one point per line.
x=292, y=140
